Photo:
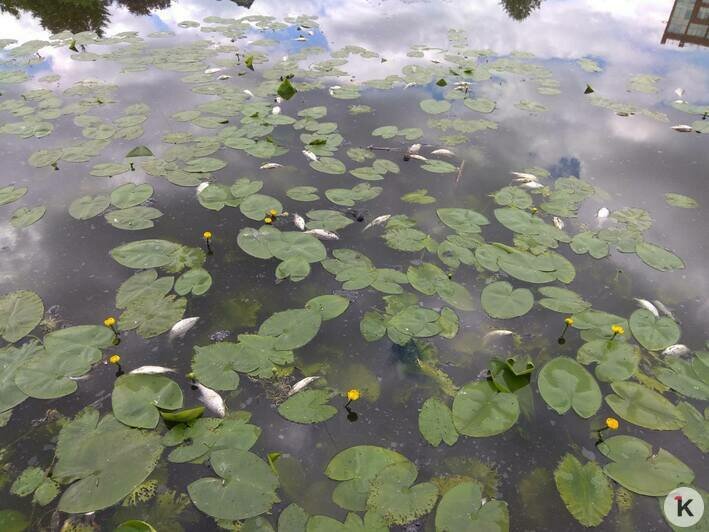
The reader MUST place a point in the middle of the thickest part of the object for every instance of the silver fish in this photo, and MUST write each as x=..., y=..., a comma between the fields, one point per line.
x=676, y=350
x=310, y=155
x=224, y=77
x=603, y=213
x=302, y=384
x=278, y=100
x=151, y=370
x=443, y=151
x=644, y=303
x=322, y=234
x=558, y=223
x=276, y=110
x=270, y=166
x=201, y=187
x=531, y=185
x=494, y=334
x=525, y=176
x=409, y=85
x=414, y=148
x=248, y=93
x=299, y=221
x=683, y=128
x=417, y=156
x=213, y=70
x=301, y=38
x=181, y=327
x=379, y=220
x=211, y=399
x=663, y=308
x=679, y=91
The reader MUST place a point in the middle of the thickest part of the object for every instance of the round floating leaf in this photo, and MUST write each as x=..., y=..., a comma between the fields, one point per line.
x=617, y=360
x=136, y=399
x=140, y=285
x=260, y=355
x=462, y=510
x=435, y=107
x=697, y=427
x=28, y=481
x=685, y=378
x=348, y=197
x=138, y=151
x=564, y=384
x=644, y=407
x=143, y=254
x=133, y=218
x=46, y=492
x=500, y=300
x=134, y=525
x=328, y=165
x=680, y=200
x=436, y=423
x=292, y=328
x=24, y=217
x=13, y=521
x=653, y=333
x=20, y=312
x=130, y=195
x=11, y=360
x=514, y=197
x=203, y=165
x=462, y=220
x=214, y=366
x=198, y=439
x=292, y=519
x=255, y=242
x=104, y=459
x=636, y=467
x=308, y=406
x=43, y=158
x=245, y=187
x=481, y=105
x=256, y=206
x=87, y=207
x=584, y=489
x=480, y=410
x=183, y=416
x=329, y=306
x=303, y=193
x=658, y=258
x=439, y=167
x=11, y=193
x=198, y=281
x=328, y=220
x=247, y=486
x=562, y=300
x=152, y=316
x=109, y=169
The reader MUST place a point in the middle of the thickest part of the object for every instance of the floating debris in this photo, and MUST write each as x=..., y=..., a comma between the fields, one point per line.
x=181, y=327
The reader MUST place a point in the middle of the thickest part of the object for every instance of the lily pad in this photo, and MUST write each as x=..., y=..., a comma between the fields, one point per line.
x=152, y=317
x=679, y=200
x=11, y=193
x=644, y=407
x=136, y=399
x=303, y=193
x=584, y=489
x=257, y=206
x=658, y=258
x=435, y=107
x=87, y=207
x=143, y=254
x=328, y=165
x=20, y=312
x=617, y=361
x=462, y=220
x=329, y=306
x=480, y=410
x=197, y=281
x=500, y=300
x=439, y=167
x=133, y=218
x=308, y=406
x=565, y=384
x=130, y=195
x=653, y=333
x=436, y=423
x=348, y=197
x=462, y=510
x=292, y=328
x=109, y=169
x=199, y=438
x=24, y=217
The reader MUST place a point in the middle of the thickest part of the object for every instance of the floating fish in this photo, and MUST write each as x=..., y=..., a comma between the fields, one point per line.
x=181, y=327
x=276, y=110
x=212, y=70
x=278, y=100
x=644, y=303
x=531, y=185
x=443, y=151
x=525, y=177
x=418, y=157
x=409, y=85
x=603, y=213
x=663, y=308
x=322, y=234
x=558, y=223
x=676, y=350
x=301, y=39
x=82, y=378
x=379, y=220
x=270, y=166
x=151, y=370
x=211, y=399
x=310, y=155
x=224, y=77
x=284, y=58
x=679, y=91
x=201, y=187
x=302, y=384
x=299, y=221
x=414, y=148
x=497, y=332
x=683, y=128
x=249, y=93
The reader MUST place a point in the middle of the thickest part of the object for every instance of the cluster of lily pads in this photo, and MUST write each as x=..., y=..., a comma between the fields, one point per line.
x=104, y=459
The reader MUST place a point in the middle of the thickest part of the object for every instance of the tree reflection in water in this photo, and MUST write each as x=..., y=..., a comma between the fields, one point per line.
x=520, y=9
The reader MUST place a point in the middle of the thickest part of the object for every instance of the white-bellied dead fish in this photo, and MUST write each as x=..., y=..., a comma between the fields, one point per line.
x=496, y=334
x=212, y=70
x=270, y=166
x=151, y=370
x=249, y=93
x=224, y=77
x=409, y=85
x=679, y=91
x=322, y=234
x=644, y=303
x=379, y=220
x=211, y=399
x=664, y=309
x=531, y=185
x=299, y=221
x=443, y=151
x=676, y=350
x=181, y=327
x=310, y=155
x=603, y=212
x=276, y=110
x=558, y=223
x=414, y=148
x=418, y=157
x=525, y=177
x=683, y=128
x=202, y=186
x=302, y=383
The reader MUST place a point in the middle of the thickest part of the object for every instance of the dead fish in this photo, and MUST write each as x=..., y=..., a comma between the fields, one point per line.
x=414, y=148
x=212, y=70
x=443, y=151
x=82, y=378
x=211, y=399
x=310, y=155
x=284, y=58
x=224, y=77
x=301, y=39
x=379, y=220
x=644, y=303
x=603, y=213
x=683, y=128
x=496, y=333
x=409, y=85
x=249, y=93
x=322, y=234
x=151, y=370
x=276, y=110
x=531, y=185
x=181, y=327
x=332, y=89
x=676, y=350
x=525, y=177
x=663, y=308
x=418, y=157
x=278, y=100
x=201, y=187
x=679, y=91
x=299, y=221
x=302, y=384
x=558, y=223
x=270, y=166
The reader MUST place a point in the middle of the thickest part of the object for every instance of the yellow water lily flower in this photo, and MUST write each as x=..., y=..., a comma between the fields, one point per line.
x=268, y=220
x=569, y=321
x=612, y=423
x=207, y=235
x=353, y=394
x=617, y=329
x=114, y=359
x=273, y=212
x=110, y=321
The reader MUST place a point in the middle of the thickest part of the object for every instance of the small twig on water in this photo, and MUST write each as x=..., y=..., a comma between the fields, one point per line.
x=460, y=172
x=381, y=148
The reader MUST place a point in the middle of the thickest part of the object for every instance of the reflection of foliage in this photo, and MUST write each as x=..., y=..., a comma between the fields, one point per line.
x=520, y=9
x=144, y=7
x=533, y=492
x=241, y=311
x=473, y=469
x=164, y=513
x=141, y=493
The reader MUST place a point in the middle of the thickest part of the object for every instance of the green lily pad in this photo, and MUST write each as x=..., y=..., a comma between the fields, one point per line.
x=617, y=361
x=109, y=169
x=11, y=193
x=214, y=366
x=500, y=300
x=514, y=197
x=28, y=481
x=137, y=398
x=329, y=306
x=11, y=360
x=133, y=218
x=286, y=90
x=152, y=317
x=584, y=489
x=658, y=258
x=199, y=438
x=143, y=254
x=481, y=105
x=479, y=410
x=244, y=187
x=562, y=300
x=327, y=219
x=13, y=521
x=682, y=377
x=24, y=217
x=348, y=197
x=130, y=195
x=653, y=333
x=197, y=281
x=308, y=406
x=644, y=407
x=419, y=196
x=143, y=284
x=439, y=167
x=328, y=165
x=303, y=193
x=138, y=151
x=183, y=416
x=103, y=460
x=257, y=206
x=636, y=467
x=677, y=200
x=436, y=423
x=697, y=426
x=135, y=525
x=435, y=107
x=462, y=220
x=292, y=328
x=462, y=510
x=202, y=165
x=565, y=384
x=42, y=158
x=87, y=207
x=394, y=496
x=588, y=242
x=20, y=312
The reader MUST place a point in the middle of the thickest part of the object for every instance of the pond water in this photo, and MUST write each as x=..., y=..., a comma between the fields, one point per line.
x=562, y=192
